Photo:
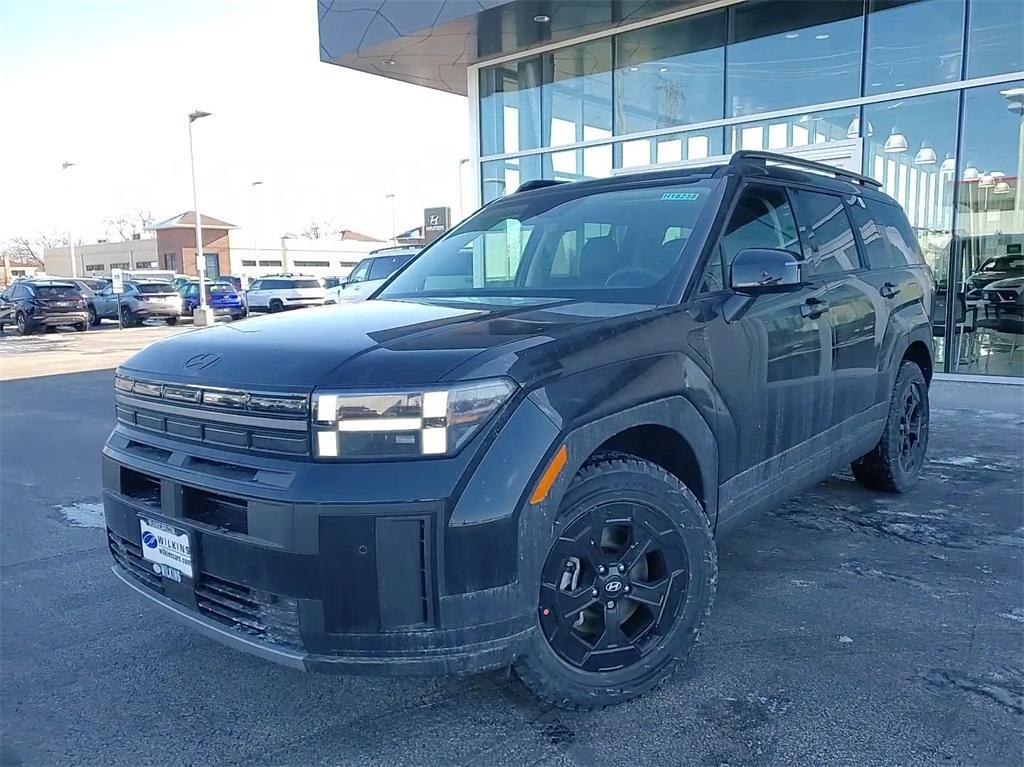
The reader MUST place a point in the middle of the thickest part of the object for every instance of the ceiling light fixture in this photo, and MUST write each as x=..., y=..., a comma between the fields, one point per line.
x=948, y=165
x=986, y=181
x=1002, y=187
x=925, y=155
x=970, y=173
x=853, y=130
x=896, y=143
x=541, y=18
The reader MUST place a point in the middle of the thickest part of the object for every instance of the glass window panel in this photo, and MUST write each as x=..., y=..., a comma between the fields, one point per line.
x=670, y=74
x=786, y=53
x=990, y=233
x=501, y=177
x=672, y=148
x=795, y=130
x=913, y=43
x=510, y=107
x=577, y=93
x=995, y=37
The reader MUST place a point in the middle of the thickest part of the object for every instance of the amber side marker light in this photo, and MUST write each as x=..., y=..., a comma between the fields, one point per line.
x=547, y=479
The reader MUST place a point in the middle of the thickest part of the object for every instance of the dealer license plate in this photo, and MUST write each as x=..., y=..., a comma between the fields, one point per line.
x=166, y=547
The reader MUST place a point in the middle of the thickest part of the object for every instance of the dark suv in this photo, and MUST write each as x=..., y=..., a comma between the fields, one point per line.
x=520, y=451
x=35, y=304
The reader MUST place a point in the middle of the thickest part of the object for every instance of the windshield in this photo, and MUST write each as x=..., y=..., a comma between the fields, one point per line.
x=1003, y=264
x=619, y=245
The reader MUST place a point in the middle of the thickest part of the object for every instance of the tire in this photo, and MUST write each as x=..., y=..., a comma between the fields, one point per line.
x=81, y=327
x=128, y=319
x=49, y=328
x=894, y=464
x=171, y=320
x=237, y=317
x=24, y=328
x=276, y=305
x=94, y=318
x=664, y=592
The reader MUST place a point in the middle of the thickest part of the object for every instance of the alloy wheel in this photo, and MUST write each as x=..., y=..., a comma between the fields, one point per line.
x=611, y=586
x=913, y=429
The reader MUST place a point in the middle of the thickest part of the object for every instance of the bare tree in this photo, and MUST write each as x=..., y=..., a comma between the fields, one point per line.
x=317, y=229
x=29, y=250
x=129, y=224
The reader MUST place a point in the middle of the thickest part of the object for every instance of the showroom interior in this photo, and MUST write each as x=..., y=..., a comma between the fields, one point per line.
x=926, y=96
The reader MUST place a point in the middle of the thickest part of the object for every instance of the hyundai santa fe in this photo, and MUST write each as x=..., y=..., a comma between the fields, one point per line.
x=521, y=451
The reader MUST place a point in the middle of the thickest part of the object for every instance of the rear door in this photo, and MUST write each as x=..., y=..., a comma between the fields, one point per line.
x=858, y=311
x=772, y=364
x=7, y=306
x=256, y=295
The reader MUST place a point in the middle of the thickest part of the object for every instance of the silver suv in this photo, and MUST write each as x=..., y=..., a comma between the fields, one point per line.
x=140, y=301
x=277, y=292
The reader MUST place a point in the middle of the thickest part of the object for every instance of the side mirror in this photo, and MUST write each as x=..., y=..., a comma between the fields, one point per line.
x=764, y=270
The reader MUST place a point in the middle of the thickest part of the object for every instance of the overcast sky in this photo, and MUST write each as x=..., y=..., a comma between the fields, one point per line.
x=108, y=84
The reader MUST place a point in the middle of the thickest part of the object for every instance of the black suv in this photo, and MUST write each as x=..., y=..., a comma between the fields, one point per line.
x=35, y=304
x=520, y=451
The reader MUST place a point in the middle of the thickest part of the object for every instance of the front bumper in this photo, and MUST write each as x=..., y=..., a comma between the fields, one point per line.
x=331, y=567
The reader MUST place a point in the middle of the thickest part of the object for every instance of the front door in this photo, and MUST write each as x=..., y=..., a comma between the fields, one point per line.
x=771, y=363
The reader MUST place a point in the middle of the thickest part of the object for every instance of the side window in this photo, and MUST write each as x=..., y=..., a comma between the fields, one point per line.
x=762, y=218
x=21, y=292
x=876, y=248
x=359, y=273
x=892, y=222
x=827, y=233
x=381, y=268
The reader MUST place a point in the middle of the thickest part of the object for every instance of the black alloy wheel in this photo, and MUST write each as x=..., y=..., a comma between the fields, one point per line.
x=127, y=318
x=22, y=323
x=626, y=584
x=894, y=464
x=612, y=582
x=94, y=319
x=913, y=428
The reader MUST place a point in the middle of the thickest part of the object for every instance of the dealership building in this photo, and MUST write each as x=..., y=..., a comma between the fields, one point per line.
x=926, y=96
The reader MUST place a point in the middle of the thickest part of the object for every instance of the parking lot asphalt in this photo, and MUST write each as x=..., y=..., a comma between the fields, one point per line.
x=850, y=628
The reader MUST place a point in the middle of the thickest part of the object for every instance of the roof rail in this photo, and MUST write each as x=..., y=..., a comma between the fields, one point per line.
x=538, y=183
x=746, y=155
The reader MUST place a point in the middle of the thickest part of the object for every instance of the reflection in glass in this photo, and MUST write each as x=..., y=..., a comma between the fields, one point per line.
x=990, y=233
x=670, y=74
x=510, y=107
x=995, y=37
x=501, y=177
x=913, y=43
x=578, y=164
x=796, y=130
x=673, y=148
x=787, y=53
x=577, y=93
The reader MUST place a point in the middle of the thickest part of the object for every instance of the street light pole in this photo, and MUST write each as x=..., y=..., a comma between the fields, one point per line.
x=202, y=314
x=71, y=240
x=255, y=219
x=394, y=224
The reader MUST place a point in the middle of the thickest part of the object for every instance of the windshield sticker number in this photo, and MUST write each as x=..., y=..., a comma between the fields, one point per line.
x=681, y=196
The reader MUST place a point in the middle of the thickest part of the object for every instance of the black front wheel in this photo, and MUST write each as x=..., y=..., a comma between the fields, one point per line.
x=94, y=318
x=81, y=327
x=626, y=586
x=171, y=320
x=128, y=319
x=23, y=326
x=894, y=465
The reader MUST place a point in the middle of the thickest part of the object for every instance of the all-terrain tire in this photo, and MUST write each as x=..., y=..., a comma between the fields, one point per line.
x=276, y=306
x=894, y=464
x=616, y=478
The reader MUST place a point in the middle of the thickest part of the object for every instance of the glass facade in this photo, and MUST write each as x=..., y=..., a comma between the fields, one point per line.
x=893, y=84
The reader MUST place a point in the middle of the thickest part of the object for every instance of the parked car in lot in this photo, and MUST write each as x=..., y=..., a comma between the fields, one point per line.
x=220, y=296
x=522, y=450
x=369, y=274
x=277, y=292
x=87, y=285
x=42, y=304
x=139, y=302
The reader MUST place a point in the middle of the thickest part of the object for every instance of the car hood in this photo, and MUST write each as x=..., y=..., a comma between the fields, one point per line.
x=1012, y=283
x=370, y=344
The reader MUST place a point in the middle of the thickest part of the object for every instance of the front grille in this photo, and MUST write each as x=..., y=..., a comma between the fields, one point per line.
x=214, y=421
x=128, y=555
x=259, y=614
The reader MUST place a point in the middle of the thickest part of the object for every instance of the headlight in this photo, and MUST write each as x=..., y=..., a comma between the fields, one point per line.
x=404, y=424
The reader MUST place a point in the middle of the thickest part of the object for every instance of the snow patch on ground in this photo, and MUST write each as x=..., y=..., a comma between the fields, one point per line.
x=83, y=514
x=967, y=460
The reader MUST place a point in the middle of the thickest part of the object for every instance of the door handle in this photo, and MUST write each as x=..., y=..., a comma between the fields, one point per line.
x=813, y=308
x=889, y=290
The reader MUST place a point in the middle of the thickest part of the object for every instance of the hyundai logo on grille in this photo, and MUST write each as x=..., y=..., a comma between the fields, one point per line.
x=202, y=361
